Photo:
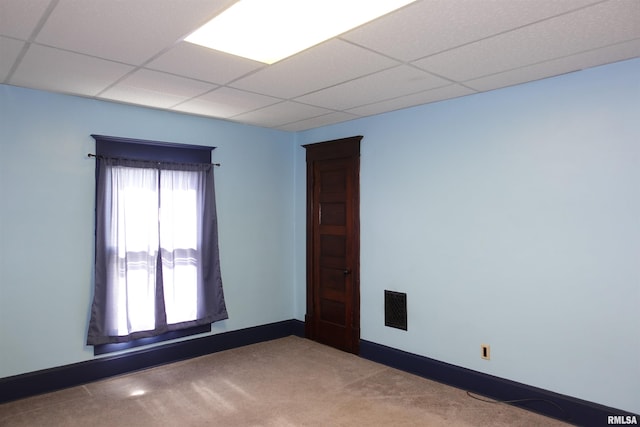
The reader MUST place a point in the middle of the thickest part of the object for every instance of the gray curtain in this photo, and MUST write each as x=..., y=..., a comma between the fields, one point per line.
x=157, y=265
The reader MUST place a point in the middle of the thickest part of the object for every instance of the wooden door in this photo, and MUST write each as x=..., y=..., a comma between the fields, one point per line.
x=333, y=243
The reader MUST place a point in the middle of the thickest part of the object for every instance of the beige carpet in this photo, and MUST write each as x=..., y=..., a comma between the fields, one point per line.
x=286, y=382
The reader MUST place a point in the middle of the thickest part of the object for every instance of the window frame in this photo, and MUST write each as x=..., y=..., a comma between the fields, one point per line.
x=139, y=149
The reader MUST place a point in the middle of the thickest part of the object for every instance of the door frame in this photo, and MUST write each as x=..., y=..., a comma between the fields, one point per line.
x=329, y=150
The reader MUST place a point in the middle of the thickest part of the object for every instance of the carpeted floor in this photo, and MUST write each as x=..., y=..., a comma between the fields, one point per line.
x=285, y=382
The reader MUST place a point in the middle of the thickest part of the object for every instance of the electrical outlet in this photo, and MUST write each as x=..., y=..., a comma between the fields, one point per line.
x=485, y=351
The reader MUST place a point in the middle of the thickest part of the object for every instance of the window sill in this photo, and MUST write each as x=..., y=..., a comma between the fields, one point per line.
x=171, y=335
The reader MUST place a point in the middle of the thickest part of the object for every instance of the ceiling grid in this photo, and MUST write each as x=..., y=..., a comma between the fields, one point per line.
x=428, y=51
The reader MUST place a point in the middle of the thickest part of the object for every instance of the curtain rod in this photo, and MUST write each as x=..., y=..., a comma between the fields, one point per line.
x=93, y=155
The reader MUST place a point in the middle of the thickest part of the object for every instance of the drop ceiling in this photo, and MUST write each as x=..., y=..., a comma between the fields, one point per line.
x=431, y=50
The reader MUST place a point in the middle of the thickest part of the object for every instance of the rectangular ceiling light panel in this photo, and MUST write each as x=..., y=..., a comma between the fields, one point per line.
x=270, y=30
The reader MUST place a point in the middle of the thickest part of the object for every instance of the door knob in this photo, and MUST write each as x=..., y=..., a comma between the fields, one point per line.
x=346, y=271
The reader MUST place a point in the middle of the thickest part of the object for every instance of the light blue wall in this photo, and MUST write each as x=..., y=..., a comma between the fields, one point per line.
x=47, y=222
x=510, y=218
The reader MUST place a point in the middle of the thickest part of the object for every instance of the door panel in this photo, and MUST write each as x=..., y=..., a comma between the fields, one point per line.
x=333, y=295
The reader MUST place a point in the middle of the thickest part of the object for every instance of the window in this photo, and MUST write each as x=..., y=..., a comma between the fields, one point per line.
x=157, y=266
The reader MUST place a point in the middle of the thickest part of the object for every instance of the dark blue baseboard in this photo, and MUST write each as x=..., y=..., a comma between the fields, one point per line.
x=44, y=381
x=554, y=405
x=561, y=407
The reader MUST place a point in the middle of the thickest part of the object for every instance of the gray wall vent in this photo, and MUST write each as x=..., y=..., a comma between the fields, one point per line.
x=395, y=309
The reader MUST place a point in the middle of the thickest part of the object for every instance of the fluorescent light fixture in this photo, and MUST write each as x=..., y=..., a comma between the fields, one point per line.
x=271, y=30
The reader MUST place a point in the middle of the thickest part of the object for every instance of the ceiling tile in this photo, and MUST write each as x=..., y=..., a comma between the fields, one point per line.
x=156, y=89
x=132, y=52
x=280, y=114
x=128, y=31
x=60, y=71
x=226, y=102
x=324, y=65
x=559, y=66
x=428, y=27
x=18, y=18
x=200, y=63
x=324, y=120
x=9, y=51
x=433, y=95
x=592, y=27
x=386, y=84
